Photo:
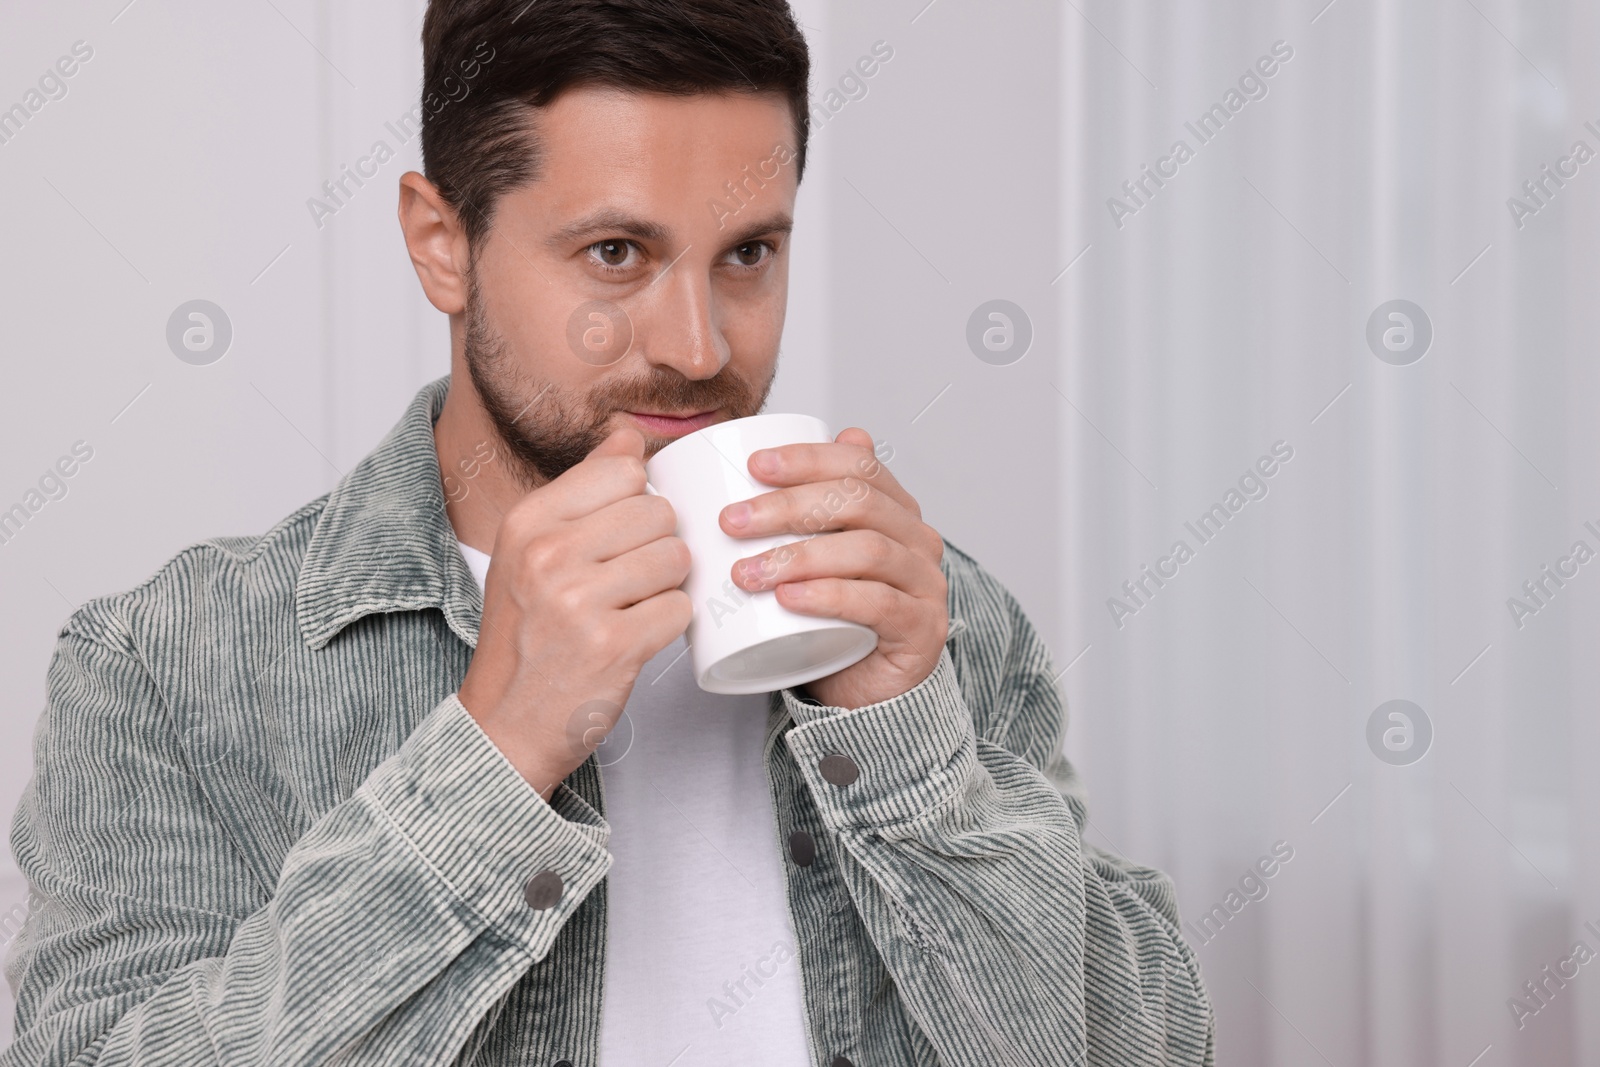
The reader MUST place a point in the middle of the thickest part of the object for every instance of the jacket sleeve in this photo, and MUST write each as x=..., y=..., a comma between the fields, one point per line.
x=397, y=922
x=1010, y=939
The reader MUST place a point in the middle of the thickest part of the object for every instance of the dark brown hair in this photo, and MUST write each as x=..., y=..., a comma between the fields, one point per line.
x=487, y=63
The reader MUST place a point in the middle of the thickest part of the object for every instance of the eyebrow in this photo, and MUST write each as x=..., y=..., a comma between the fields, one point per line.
x=614, y=222
x=777, y=222
x=609, y=221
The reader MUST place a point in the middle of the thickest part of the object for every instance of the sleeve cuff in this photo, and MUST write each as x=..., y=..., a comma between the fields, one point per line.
x=912, y=752
x=477, y=822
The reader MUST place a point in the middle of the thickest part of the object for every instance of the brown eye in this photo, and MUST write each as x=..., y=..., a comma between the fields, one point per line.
x=612, y=253
x=752, y=254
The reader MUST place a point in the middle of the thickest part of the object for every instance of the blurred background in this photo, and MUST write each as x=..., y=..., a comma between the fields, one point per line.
x=1305, y=287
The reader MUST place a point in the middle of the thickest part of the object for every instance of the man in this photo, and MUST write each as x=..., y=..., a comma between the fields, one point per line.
x=363, y=789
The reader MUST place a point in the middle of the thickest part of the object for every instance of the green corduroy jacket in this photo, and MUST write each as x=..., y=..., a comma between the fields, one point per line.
x=262, y=830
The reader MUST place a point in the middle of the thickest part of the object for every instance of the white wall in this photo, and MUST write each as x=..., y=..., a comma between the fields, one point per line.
x=177, y=167
x=1223, y=316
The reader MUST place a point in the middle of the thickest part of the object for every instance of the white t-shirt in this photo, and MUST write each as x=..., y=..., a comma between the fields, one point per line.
x=701, y=967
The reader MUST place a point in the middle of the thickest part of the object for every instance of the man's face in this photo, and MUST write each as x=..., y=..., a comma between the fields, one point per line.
x=633, y=228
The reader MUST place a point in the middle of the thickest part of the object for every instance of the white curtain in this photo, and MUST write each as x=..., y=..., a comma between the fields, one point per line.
x=1229, y=311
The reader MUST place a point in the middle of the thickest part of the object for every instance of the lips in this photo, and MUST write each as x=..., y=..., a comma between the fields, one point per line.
x=672, y=425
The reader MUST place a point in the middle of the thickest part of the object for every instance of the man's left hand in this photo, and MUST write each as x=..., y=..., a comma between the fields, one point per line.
x=873, y=561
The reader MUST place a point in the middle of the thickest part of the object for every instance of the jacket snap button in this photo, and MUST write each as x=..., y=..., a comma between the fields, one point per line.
x=838, y=768
x=802, y=847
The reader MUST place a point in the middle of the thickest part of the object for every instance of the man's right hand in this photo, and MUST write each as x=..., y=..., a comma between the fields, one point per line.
x=582, y=591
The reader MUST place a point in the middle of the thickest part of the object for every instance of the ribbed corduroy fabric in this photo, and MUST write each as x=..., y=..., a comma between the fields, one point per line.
x=262, y=830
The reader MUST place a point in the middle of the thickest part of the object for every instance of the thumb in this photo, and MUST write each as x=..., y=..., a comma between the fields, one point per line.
x=623, y=441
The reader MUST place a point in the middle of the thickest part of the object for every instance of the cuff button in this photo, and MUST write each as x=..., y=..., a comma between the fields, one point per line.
x=542, y=890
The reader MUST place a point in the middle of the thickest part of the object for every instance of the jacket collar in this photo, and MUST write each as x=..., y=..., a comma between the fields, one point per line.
x=384, y=541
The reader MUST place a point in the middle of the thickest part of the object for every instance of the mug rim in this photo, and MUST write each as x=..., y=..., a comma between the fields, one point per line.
x=719, y=426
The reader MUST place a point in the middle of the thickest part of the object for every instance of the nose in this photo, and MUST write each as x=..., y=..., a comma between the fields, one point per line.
x=681, y=330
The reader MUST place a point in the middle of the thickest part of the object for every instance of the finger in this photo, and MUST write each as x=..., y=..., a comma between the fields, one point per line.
x=820, y=507
x=612, y=470
x=620, y=526
x=657, y=620
x=625, y=440
x=845, y=554
x=641, y=573
x=900, y=620
x=850, y=456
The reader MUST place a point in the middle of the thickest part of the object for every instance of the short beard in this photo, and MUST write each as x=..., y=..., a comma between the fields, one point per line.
x=547, y=431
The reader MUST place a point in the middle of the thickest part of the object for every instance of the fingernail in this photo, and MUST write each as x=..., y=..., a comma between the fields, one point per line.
x=738, y=514
x=765, y=461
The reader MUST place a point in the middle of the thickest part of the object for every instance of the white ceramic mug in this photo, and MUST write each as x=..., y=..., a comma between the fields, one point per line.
x=743, y=641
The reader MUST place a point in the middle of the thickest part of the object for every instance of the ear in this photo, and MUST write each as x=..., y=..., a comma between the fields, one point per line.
x=436, y=242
